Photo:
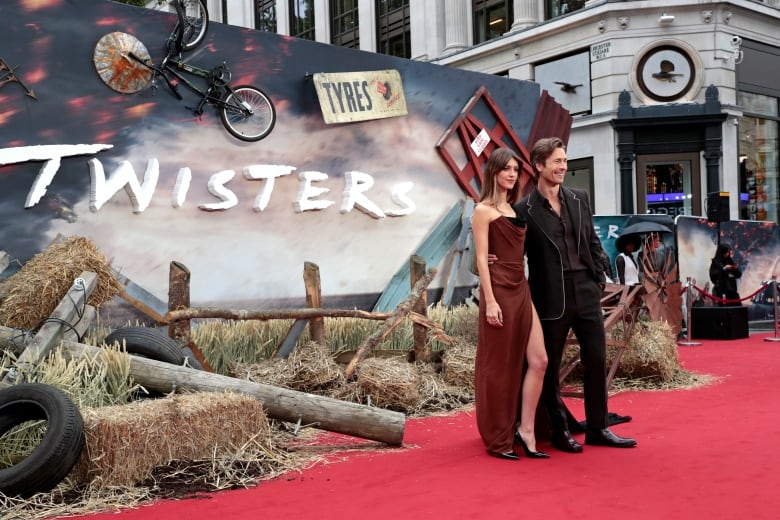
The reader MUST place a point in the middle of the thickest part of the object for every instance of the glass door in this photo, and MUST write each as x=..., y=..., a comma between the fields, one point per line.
x=669, y=184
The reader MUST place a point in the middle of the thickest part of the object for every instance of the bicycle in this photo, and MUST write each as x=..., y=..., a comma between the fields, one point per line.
x=124, y=64
x=194, y=19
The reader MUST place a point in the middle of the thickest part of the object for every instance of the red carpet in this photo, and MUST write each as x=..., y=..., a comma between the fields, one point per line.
x=708, y=453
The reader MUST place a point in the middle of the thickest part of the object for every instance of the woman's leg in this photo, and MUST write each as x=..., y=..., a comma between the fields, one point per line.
x=536, y=357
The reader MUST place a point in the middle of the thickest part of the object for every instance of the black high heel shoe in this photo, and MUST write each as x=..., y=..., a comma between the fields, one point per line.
x=528, y=453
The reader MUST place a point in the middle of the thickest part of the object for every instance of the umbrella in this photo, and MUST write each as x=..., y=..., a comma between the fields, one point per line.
x=644, y=227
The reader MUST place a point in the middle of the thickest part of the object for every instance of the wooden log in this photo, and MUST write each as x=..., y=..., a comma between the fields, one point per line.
x=50, y=333
x=280, y=314
x=287, y=405
x=434, y=329
x=311, y=280
x=403, y=309
x=81, y=327
x=422, y=350
x=179, y=298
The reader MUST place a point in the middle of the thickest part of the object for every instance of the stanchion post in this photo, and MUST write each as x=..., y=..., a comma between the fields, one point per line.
x=689, y=315
x=774, y=307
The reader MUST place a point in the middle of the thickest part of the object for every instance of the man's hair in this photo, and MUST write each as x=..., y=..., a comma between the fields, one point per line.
x=543, y=149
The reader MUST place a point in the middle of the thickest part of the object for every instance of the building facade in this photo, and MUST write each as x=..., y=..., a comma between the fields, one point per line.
x=672, y=102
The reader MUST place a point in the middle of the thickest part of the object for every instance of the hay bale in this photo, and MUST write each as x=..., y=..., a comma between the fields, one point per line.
x=125, y=443
x=437, y=395
x=310, y=368
x=33, y=292
x=274, y=372
x=390, y=383
x=313, y=369
x=457, y=365
x=651, y=352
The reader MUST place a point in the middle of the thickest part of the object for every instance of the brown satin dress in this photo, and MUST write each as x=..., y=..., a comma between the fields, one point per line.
x=501, y=350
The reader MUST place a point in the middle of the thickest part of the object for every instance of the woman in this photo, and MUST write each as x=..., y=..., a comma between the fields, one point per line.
x=627, y=268
x=724, y=273
x=510, y=335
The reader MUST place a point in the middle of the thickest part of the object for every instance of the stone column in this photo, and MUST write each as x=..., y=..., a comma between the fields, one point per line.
x=367, y=28
x=526, y=14
x=456, y=28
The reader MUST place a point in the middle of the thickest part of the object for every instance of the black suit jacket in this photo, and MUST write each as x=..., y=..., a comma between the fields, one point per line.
x=545, y=265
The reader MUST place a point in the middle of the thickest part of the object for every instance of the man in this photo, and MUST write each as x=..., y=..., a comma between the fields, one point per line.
x=566, y=278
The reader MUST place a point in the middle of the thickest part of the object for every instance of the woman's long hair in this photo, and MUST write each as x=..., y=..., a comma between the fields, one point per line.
x=722, y=250
x=498, y=160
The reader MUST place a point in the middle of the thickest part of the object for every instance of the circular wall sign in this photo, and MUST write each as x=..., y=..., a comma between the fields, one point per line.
x=666, y=73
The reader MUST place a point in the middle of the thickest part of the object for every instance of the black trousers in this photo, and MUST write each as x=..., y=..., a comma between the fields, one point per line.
x=584, y=316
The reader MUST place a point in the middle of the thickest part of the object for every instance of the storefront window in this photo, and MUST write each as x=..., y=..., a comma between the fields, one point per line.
x=758, y=158
x=666, y=184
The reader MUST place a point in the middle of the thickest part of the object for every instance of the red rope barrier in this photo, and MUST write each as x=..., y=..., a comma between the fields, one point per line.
x=725, y=300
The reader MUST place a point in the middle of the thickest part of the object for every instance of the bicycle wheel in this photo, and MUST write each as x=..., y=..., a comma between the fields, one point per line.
x=196, y=21
x=247, y=113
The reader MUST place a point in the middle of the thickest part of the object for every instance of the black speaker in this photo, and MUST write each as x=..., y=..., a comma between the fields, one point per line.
x=719, y=322
x=718, y=206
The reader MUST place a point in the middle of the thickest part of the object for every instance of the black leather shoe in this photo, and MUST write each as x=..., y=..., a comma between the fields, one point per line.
x=508, y=455
x=606, y=438
x=614, y=418
x=565, y=442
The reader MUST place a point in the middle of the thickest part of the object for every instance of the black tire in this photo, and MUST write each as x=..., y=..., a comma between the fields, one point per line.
x=247, y=126
x=149, y=343
x=196, y=21
x=58, y=452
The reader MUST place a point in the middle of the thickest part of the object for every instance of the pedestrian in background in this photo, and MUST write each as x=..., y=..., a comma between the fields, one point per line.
x=724, y=273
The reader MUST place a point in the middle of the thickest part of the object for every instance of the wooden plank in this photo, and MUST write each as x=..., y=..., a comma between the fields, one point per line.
x=552, y=120
x=141, y=299
x=422, y=351
x=279, y=403
x=50, y=333
x=287, y=345
x=81, y=326
x=461, y=246
x=5, y=259
x=432, y=250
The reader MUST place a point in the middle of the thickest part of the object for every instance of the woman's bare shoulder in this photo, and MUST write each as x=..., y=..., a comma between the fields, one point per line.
x=486, y=210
